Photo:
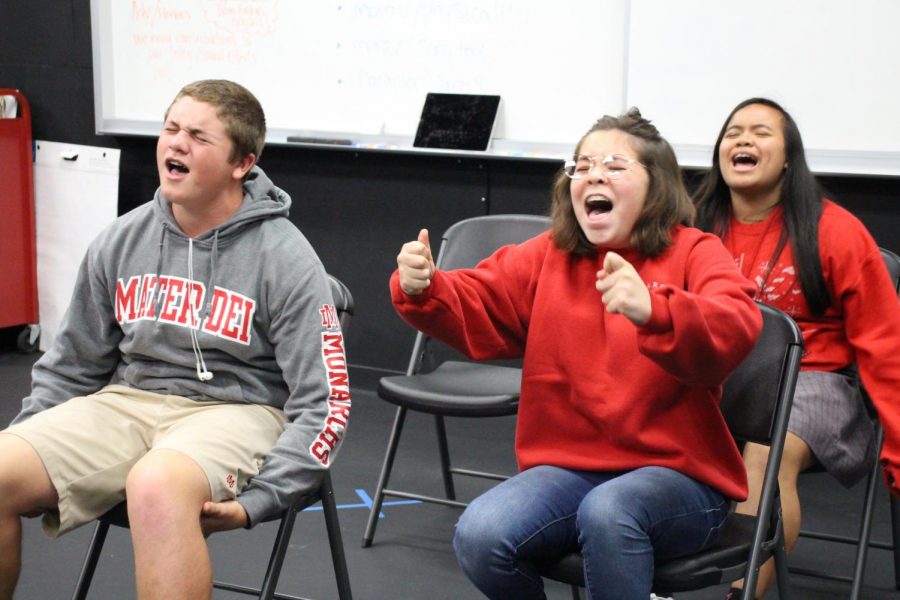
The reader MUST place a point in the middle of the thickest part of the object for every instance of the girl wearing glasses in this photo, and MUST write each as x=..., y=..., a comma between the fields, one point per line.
x=628, y=321
x=817, y=262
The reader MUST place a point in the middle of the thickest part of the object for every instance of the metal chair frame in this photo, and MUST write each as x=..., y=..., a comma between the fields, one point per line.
x=862, y=540
x=444, y=390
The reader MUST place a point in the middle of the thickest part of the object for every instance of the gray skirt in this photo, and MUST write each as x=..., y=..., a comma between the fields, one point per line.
x=829, y=414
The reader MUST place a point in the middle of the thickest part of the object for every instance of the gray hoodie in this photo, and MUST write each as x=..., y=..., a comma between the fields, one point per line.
x=264, y=327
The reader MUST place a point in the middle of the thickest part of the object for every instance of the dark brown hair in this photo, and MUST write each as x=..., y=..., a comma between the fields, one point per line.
x=666, y=206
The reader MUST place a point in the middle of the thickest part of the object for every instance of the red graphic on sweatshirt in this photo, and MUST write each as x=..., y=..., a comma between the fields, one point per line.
x=338, y=398
x=329, y=317
x=180, y=302
x=230, y=480
x=779, y=286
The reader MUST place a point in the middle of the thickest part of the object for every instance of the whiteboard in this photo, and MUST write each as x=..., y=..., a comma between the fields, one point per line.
x=834, y=65
x=361, y=70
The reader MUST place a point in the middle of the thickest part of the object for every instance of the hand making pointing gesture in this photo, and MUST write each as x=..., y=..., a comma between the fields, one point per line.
x=624, y=292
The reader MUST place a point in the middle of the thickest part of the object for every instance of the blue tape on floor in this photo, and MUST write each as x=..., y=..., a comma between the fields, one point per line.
x=367, y=503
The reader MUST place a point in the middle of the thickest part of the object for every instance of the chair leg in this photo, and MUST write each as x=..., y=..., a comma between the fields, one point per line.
x=267, y=591
x=335, y=540
x=782, y=575
x=444, y=451
x=751, y=574
x=276, y=559
x=90, y=561
x=865, y=526
x=895, y=537
x=383, y=478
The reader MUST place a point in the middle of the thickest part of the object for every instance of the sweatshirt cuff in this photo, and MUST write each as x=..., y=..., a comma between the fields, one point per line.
x=660, y=316
x=257, y=505
x=400, y=297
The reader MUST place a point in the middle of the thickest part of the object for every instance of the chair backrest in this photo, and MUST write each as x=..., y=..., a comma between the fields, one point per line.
x=343, y=300
x=463, y=245
x=756, y=393
x=467, y=242
x=892, y=262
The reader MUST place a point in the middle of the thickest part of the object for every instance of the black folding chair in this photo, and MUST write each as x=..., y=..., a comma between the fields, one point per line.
x=118, y=516
x=445, y=384
x=756, y=403
x=863, y=540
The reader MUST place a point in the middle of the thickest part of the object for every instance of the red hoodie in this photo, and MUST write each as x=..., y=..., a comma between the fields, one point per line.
x=598, y=392
x=862, y=325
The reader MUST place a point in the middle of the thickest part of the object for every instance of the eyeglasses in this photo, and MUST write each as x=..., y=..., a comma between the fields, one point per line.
x=613, y=166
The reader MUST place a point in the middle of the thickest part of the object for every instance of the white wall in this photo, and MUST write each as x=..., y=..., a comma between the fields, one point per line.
x=834, y=65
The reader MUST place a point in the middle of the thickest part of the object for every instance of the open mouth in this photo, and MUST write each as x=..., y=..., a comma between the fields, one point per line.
x=597, y=205
x=743, y=160
x=174, y=166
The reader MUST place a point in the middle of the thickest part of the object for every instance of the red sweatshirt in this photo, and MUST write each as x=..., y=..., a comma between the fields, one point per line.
x=598, y=392
x=863, y=324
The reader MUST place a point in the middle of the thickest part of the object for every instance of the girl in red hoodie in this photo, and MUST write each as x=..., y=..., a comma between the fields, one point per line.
x=817, y=262
x=628, y=321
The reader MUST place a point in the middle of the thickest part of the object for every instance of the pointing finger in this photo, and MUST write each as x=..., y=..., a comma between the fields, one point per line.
x=613, y=262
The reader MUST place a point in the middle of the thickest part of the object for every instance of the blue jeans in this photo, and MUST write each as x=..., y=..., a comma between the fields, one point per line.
x=621, y=521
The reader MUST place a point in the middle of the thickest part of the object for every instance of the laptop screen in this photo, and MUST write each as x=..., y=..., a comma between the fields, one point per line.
x=457, y=121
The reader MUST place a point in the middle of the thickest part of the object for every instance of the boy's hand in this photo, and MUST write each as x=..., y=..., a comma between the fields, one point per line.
x=623, y=290
x=222, y=516
x=415, y=265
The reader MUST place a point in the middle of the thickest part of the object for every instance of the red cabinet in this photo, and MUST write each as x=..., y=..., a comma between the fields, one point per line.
x=18, y=255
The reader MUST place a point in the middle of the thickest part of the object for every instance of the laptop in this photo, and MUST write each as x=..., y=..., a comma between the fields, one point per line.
x=457, y=121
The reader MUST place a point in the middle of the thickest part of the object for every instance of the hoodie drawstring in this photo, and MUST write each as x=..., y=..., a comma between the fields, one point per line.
x=203, y=374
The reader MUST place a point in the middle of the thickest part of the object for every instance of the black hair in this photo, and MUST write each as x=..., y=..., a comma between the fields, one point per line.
x=801, y=199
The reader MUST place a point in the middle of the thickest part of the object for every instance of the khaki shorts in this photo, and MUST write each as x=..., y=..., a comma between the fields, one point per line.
x=89, y=444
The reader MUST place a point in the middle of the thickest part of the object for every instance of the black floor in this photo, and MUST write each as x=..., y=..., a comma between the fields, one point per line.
x=411, y=557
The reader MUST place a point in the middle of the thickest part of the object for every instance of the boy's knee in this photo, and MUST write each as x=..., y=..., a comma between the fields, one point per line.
x=145, y=489
x=165, y=486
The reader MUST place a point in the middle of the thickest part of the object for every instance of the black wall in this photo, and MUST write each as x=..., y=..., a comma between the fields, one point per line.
x=356, y=208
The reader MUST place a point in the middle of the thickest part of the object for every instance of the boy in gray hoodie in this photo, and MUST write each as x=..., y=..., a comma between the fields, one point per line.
x=199, y=370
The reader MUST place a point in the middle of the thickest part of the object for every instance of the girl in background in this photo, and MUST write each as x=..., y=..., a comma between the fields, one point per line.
x=817, y=262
